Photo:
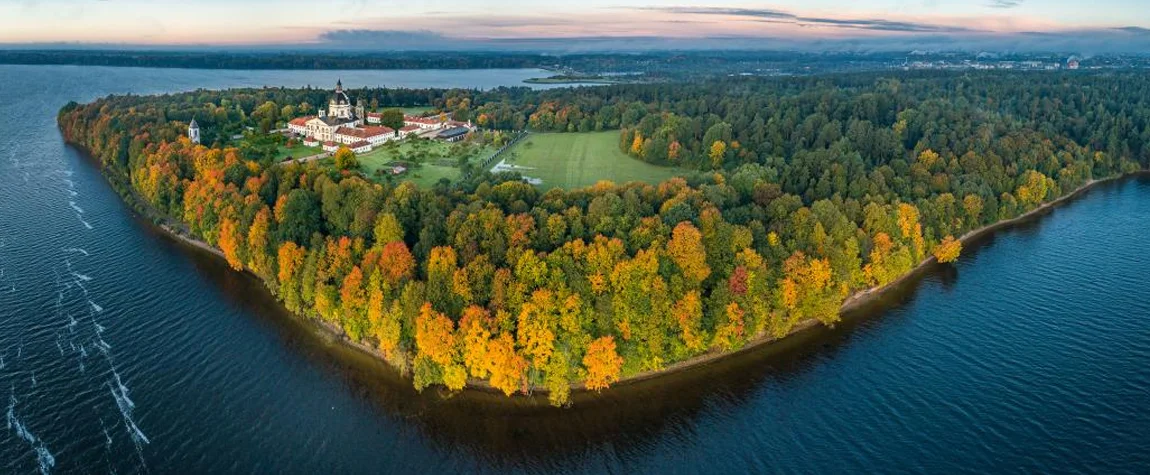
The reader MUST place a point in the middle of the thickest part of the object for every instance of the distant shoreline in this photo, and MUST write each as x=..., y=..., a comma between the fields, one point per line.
x=561, y=79
x=272, y=60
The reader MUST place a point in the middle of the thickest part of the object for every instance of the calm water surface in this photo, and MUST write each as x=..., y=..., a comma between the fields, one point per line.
x=121, y=350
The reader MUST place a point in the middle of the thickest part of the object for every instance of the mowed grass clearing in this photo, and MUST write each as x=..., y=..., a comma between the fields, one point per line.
x=298, y=151
x=433, y=160
x=576, y=160
x=417, y=110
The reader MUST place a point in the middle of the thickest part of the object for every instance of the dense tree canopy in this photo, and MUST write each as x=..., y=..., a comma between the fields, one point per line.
x=807, y=190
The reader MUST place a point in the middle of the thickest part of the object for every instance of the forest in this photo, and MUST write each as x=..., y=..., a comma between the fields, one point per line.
x=653, y=64
x=803, y=192
x=201, y=59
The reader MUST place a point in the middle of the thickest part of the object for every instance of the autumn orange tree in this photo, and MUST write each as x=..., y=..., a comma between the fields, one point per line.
x=603, y=364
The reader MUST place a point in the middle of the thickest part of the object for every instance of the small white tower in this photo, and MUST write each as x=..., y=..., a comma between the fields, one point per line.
x=194, y=132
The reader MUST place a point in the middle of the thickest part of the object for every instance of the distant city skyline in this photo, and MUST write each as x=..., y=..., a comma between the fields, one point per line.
x=813, y=24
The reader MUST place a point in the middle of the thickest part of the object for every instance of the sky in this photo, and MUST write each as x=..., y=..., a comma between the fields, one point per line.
x=485, y=24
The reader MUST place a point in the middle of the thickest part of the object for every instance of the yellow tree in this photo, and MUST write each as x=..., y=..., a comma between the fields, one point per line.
x=686, y=249
x=1034, y=188
x=387, y=229
x=911, y=229
x=730, y=333
x=230, y=243
x=718, y=150
x=603, y=363
x=948, y=250
x=435, y=336
x=435, y=341
x=475, y=335
x=345, y=159
x=441, y=266
x=290, y=257
x=688, y=312
x=928, y=158
x=508, y=369
x=258, y=242
x=384, y=323
x=389, y=329
x=972, y=205
x=537, y=319
x=807, y=290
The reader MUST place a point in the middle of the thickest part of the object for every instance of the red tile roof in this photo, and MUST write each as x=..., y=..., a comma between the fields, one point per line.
x=409, y=128
x=361, y=143
x=372, y=130
x=301, y=121
x=365, y=132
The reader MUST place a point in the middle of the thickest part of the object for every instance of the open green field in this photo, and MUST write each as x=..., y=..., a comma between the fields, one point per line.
x=574, y=160
x=417, y=110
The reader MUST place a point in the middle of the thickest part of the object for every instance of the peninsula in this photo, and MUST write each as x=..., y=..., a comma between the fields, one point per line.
x=756, y=206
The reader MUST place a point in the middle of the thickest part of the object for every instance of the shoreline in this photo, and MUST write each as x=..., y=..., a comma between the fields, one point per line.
x=868, y=296
x=853, y=302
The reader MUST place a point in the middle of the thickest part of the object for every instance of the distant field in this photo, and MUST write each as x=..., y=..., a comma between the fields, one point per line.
x=574, y=160
x=417, y=110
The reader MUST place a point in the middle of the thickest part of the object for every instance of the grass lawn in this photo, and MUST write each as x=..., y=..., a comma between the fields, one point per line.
x=417, y=110
x=432, y=154
x=298, y=151
x=575, y=160
x=428, y=175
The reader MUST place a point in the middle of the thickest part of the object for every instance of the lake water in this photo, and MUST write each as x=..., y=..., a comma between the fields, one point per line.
x=121, y=350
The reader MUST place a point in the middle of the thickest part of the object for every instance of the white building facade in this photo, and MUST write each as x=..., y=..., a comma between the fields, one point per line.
x=342, y=124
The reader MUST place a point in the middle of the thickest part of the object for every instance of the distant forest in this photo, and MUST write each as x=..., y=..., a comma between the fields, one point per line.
x=274, y=60
x=657, y=64
x=804, y=191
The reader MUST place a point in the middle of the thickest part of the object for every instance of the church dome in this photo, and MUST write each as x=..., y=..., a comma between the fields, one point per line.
x=340, y=98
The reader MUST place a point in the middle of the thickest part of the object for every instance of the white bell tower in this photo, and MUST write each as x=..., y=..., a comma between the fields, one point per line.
x=194, y=132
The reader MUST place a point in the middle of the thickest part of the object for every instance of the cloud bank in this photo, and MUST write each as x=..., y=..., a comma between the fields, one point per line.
x=645, y=28
x=779, y=16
